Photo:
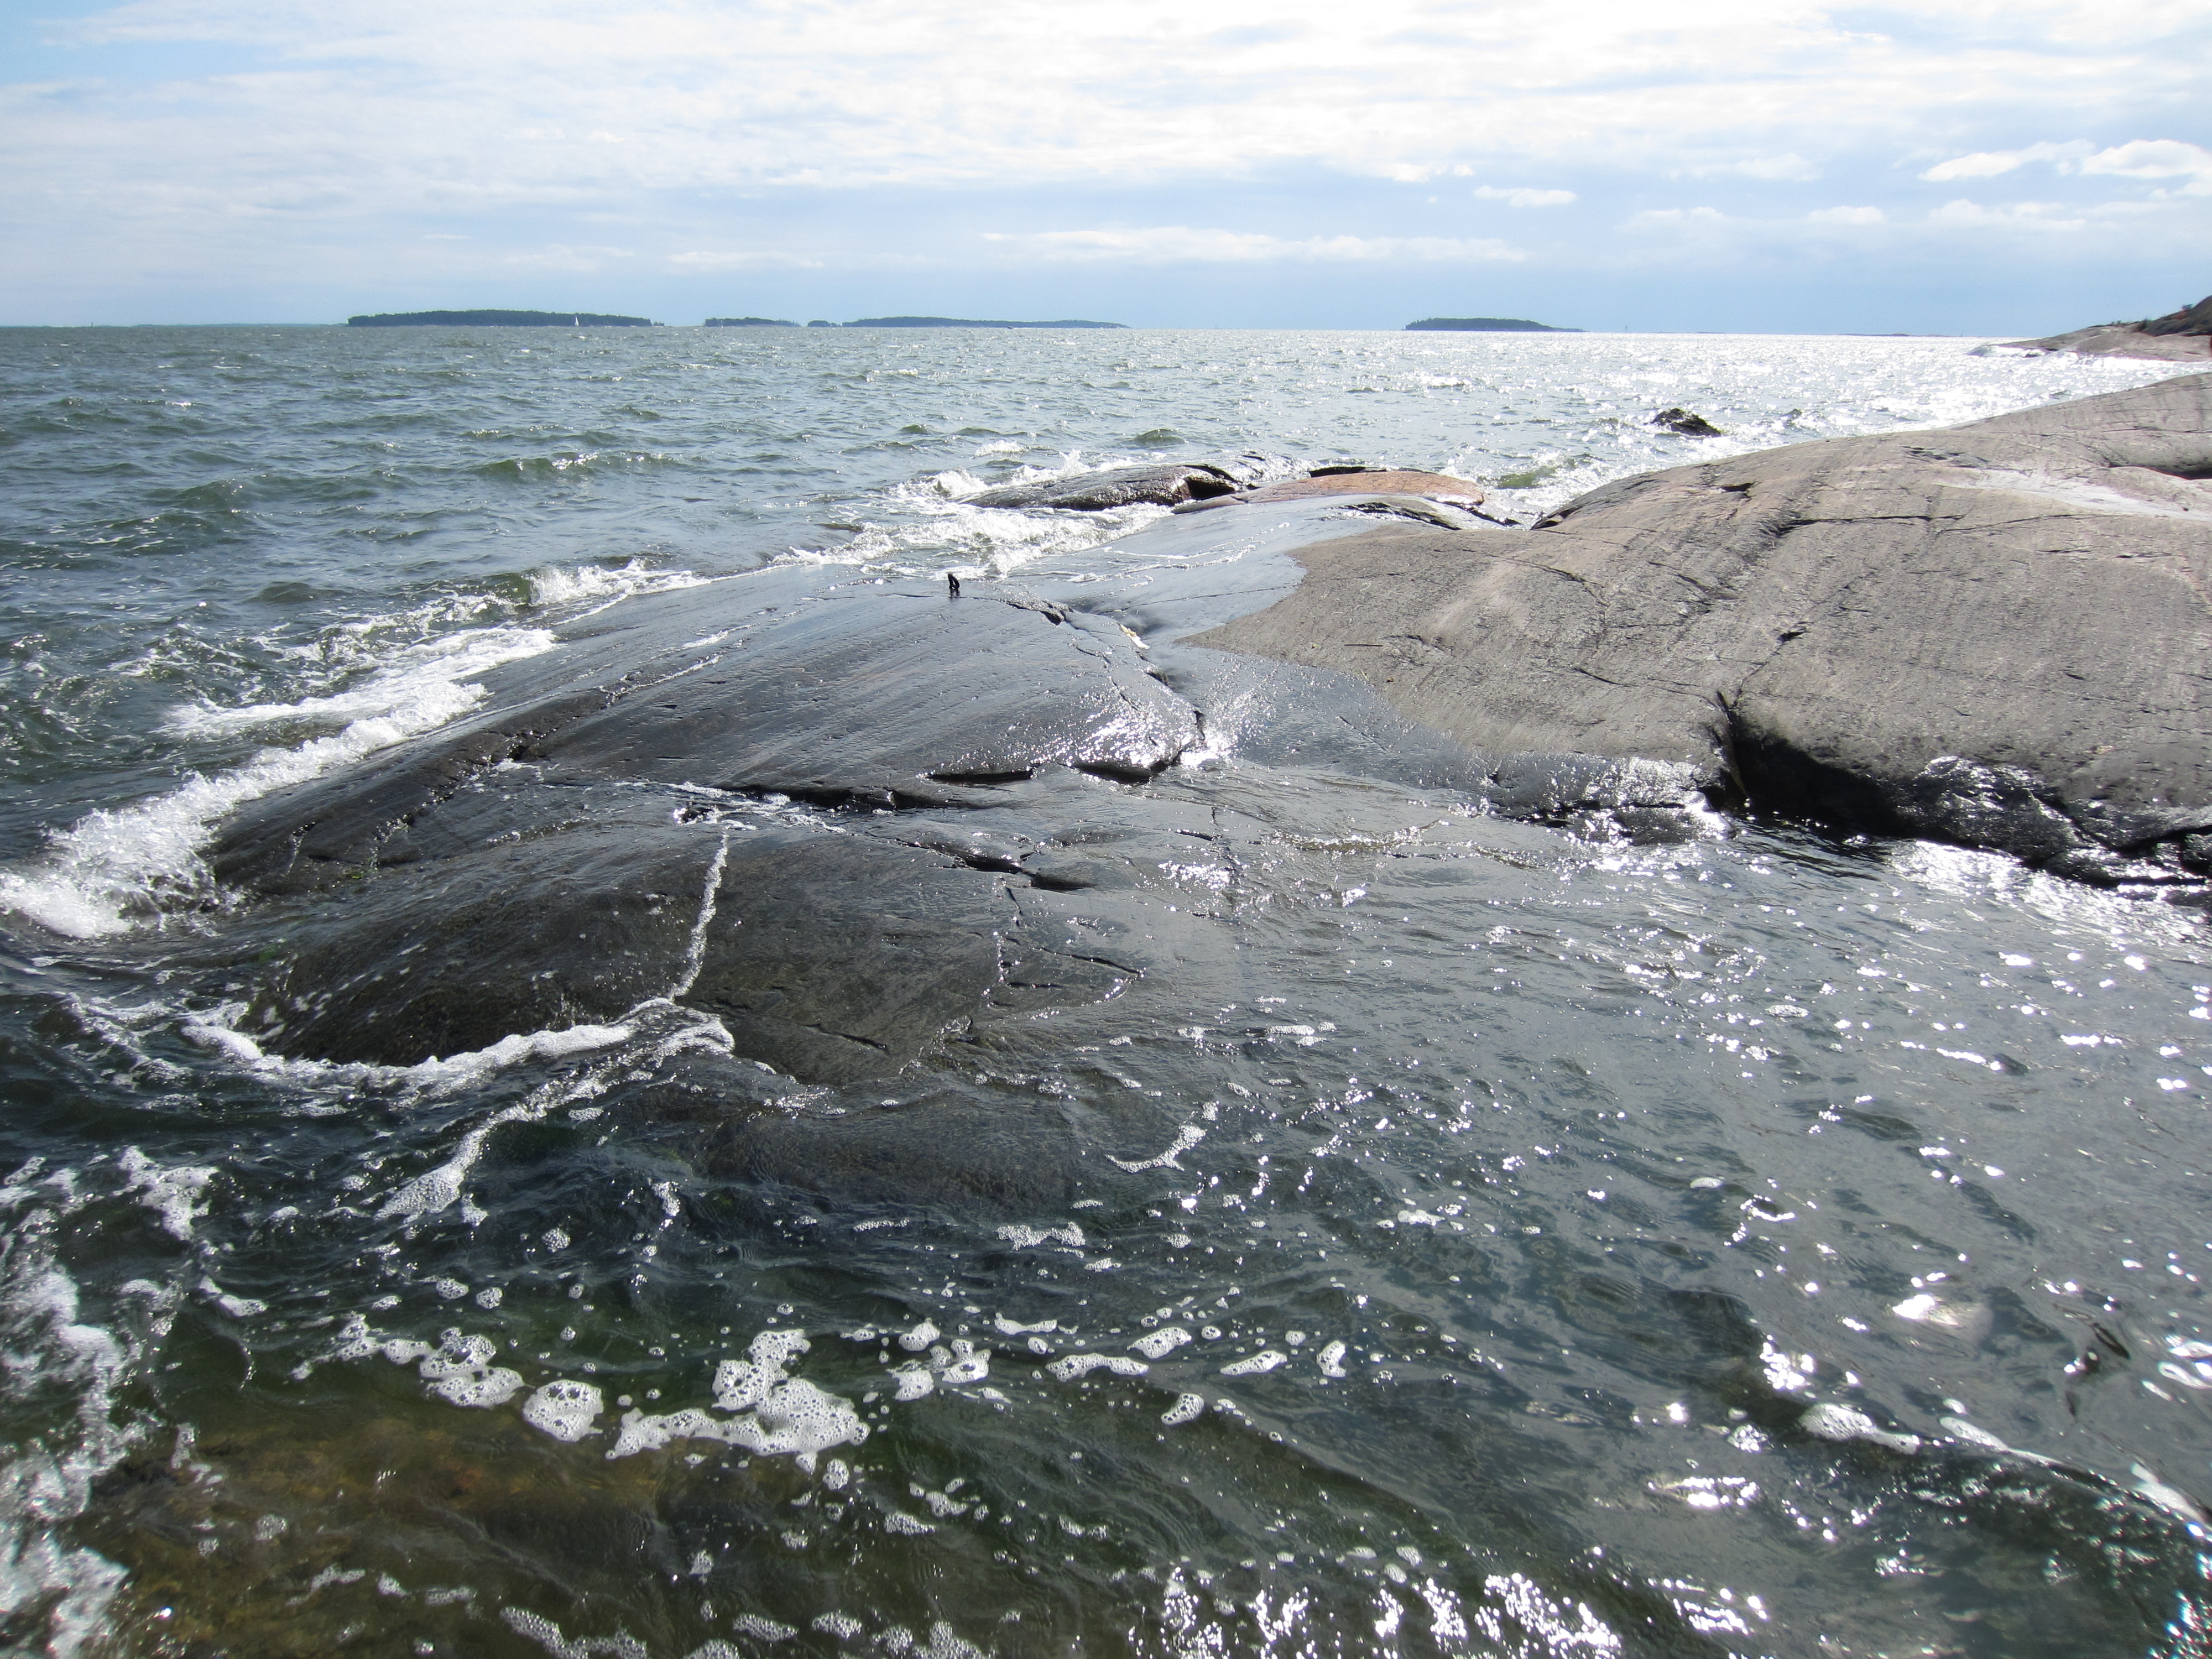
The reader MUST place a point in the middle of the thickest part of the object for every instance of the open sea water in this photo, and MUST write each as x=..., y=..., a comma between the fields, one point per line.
x=1777, y=1244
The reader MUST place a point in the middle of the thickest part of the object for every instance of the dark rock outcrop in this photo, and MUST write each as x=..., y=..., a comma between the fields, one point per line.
x=2178, y=337
x=1166, y=483
x=1687, y=422
x=738, y=818
x=1997, y=634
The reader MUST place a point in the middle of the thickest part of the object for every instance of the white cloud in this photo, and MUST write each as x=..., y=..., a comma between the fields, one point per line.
x=2021, y=216
x=1789, y=168
x=1524, y=199
x=605, y=94
x=1990, y=163
x=1847, y=216
x=1182, y=245
x=2142, y=158
x=1654, y=218
x=741, y=259
x=726, y=136
x=2157, y=158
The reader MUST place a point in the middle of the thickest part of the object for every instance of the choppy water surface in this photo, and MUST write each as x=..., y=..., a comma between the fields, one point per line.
x=1533, y=1247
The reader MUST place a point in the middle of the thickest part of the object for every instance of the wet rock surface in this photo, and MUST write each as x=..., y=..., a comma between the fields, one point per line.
x=1167, y=484
x=851, y=820
x=1372, y=481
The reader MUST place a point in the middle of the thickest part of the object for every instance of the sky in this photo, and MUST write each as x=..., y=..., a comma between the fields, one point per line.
x=1969, y=167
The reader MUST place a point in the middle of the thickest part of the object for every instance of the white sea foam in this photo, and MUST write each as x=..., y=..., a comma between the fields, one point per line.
x=1026, y=1238
x=1266, y=1360
x=461, y=1372
x=1186, y=1137
x=594, y=586
x=1082, y=1364
x=1833, y=1422
x=742, y=1384
x=54, y=1351
x=775, y=1414
x=1187, y=1408
x=122, y=865
x=117, y=867
x=435, y=1189
x=564, y=1408
x=429, y=682
x=175, y=1194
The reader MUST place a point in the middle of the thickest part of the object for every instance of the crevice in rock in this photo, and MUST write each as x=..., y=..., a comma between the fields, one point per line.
x=1021, y=774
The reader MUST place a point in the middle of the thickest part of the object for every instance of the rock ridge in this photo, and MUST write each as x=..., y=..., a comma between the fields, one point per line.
x=1996, y=634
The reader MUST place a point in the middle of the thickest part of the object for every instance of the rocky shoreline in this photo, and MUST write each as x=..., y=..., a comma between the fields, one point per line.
x=2183, y=336
x=855, y=818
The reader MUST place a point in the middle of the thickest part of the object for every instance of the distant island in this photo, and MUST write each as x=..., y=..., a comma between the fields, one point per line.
x=963, y=322
x=1490, y=325
x=748, y=322
x=498, y=319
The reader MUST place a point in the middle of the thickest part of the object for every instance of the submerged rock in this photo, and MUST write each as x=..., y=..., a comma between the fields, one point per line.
x=1687, y=422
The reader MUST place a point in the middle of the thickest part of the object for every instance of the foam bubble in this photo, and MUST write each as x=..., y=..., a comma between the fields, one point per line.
x=1187, y=1408
x=797, y=1417
x=1023, y=1238
x=563, y=1408
x=1186, y=1137
x=1834, y=1422
x=912, y=1380
x=966, y=1365
x=1162, y=1343
x=1082, y=1364
x=1266, y=1360
x=741, y=1384
x=461, y=1372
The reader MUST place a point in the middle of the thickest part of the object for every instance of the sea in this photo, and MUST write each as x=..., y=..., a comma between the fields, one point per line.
x=1782, y=1242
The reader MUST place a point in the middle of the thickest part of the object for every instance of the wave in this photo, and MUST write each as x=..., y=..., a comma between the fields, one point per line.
x=118, y=868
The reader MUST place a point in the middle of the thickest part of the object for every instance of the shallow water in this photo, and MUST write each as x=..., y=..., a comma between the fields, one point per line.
x=1512, y=1244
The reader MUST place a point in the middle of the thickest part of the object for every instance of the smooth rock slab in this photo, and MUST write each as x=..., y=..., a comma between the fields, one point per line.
x=1996, y=634
x=869, y=696
x=639, y=816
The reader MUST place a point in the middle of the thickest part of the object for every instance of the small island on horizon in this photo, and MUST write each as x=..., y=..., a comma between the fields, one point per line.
x=1489, y=325
x=498, y=319
x=748, y=322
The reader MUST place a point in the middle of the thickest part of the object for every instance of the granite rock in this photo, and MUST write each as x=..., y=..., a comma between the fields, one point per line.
x=1995, y=634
